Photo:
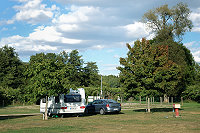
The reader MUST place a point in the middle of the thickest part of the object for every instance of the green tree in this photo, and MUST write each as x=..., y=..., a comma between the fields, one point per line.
x=169, y=23
x=11, y=68
x=111, y=81
x=147, y=70
x=45, y=76
x=90, y=75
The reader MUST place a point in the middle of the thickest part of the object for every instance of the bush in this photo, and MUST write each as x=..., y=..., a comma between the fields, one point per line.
x=192, y=93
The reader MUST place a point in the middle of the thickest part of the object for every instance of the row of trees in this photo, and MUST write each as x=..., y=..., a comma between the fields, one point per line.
x=44, y=74
x=49, y=74
x=162, y=66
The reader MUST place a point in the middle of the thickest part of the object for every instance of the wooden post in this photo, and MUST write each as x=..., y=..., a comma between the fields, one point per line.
x=140, y=100
x=182, y=101
x=13, y=102
x=46, y=117
x=168, y=100
x=161, y=100
x=3, y=103
x=153, y=100
x=146, y=100
x=149, y=105
x=172, y=100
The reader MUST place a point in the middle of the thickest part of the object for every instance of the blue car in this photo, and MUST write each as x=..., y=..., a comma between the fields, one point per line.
x=103, y=106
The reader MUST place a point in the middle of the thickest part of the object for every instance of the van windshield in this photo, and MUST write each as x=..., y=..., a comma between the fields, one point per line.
x=72, y=98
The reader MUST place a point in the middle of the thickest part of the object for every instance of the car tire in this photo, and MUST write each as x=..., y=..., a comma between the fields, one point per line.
x=102, y=112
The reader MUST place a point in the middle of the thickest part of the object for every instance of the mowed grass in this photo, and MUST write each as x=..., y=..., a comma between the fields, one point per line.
x=19, y=109
x=135, y=120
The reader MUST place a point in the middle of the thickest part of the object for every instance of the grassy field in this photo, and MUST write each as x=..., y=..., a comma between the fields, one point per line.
x=133, y=119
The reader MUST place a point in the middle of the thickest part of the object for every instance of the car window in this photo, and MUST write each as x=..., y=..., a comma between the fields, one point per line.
x=110, y=101
x=95, y=102
x=101, y=102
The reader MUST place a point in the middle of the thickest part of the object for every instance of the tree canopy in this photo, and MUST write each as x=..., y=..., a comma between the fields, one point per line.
x=169, y=23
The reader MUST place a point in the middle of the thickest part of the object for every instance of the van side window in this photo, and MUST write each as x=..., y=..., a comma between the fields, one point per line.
x=43, y=100
x=57, y=100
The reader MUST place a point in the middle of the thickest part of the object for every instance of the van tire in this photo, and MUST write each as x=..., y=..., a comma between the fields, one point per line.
x=102, y=111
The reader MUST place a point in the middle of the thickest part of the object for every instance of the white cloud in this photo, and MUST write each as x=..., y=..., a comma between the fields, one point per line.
x=197, y=56
x=25, y=44
x=137, y=30
x=49, y=34
x=195, y=17
x=33, y=11
x=68, y=27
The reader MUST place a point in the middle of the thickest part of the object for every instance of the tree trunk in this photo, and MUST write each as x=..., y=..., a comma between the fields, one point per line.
x=46, y=117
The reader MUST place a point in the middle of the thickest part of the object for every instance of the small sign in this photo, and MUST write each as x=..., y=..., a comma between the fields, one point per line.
x=177, y=106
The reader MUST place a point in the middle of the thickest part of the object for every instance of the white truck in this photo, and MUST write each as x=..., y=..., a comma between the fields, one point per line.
x=72, y=103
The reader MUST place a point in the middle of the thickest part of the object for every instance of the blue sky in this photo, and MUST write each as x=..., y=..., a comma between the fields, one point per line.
x=99, y=29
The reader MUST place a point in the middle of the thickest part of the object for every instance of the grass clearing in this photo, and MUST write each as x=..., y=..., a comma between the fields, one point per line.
x=134, y=120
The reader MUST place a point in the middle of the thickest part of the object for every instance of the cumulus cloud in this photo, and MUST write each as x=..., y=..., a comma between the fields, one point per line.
x=137, y=30
x=25, y=44
x=33, y=12
x=195, y=17
x=194, y=47
x=197, y=56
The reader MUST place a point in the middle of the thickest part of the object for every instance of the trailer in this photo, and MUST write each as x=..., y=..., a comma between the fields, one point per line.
x=72, y=103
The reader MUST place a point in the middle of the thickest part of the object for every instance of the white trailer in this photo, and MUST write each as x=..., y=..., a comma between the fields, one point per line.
x=72, y=103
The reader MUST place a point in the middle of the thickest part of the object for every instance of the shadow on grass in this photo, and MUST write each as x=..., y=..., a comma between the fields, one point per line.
x=110, y=113
x=14, y=116
x=156, y=110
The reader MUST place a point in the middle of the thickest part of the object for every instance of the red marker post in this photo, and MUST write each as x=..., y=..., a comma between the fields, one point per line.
x=176, y=107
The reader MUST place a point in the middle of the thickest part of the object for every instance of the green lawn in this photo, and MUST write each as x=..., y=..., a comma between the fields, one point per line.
x=19, y=109
x=134, y=120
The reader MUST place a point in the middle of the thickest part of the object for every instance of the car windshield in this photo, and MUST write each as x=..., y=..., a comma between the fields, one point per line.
x=72, y=98
x=110, y=101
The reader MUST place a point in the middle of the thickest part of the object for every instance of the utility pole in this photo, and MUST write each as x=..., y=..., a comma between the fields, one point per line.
x=101, y=87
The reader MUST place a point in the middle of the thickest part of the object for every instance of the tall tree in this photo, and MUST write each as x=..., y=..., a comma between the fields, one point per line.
x=46, y=76
x=147, y=70
x=90, y=75
x=11, y=68
x=169, y=23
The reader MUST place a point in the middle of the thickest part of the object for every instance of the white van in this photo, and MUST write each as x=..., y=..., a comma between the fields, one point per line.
x=73, y=103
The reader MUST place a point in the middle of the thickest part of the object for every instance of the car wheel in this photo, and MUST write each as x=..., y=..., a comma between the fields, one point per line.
x=102, y=112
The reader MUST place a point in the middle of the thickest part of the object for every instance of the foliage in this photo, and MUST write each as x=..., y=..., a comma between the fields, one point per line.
x=111, y=81
x=51, y=74
x=148, y=69
x=90, y=75
x=11, y=68
x=169, y=23
x=192, y=93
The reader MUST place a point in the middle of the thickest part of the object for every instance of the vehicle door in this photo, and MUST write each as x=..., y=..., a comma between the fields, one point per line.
x=96, y=105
